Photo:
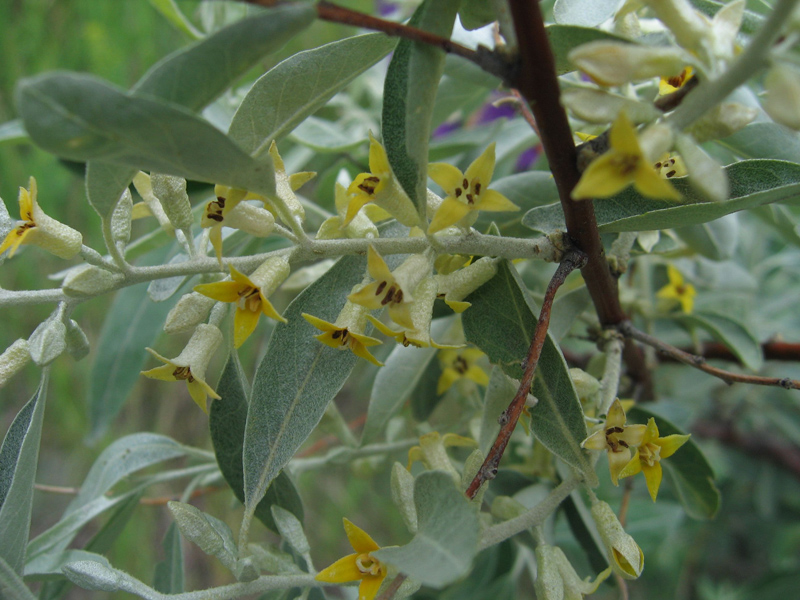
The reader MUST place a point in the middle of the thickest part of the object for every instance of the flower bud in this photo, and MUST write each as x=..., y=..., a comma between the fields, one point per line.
x=269, y=276
x=599, y=106
x=121, y=218
x=143, y=185
x=721, y=121
x=171, y=191
x=88, y=280
x=690, y=28
x=191, y=310
x=556, y=578
x=16, y=356
x=624, y=554
x=586, y=385
x=783, y=95
x=48, y=341
x=615, y=63
x=254, y=220
x=77, y=342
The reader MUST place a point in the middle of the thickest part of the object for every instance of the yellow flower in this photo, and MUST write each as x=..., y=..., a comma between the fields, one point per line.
x=460, y=364
x=190, y=365
x=381, y=187
x=347, y=332
x=647, y=457
x=667, y=85
x=456, y=286
x=361, y=226
x=624, y=163
x=467, y=193
x=617, y=438
x=392, y=290
x=229, y=211
x=39, y=229
x=359, y=565
x=678, y=290
x=285, y=187
x=670, y=165
x=250, y=295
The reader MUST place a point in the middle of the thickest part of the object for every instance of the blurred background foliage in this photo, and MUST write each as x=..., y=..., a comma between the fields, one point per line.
x=751, y=549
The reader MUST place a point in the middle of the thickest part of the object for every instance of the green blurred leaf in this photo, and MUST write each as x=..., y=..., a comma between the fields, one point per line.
x=227, y=420
x=753, y=183
x=81, y=117
x=446, y=540
x=734, y=334
x=751, y=21
x=397, y=379
x=105, y=183
x=563, y=38
x=11, y=584
x=133, y=323
x=327, y=136
x=211, y=535
x=409, y=94
x=587, y=13
x=716, y=240
x=687, y=470
x=195, y=75
x=287, y=94
x=173, y=14
x=296, y=379
x=13, y=131
x=763, y=140
x=19, y=455
x=582, y=527
x=48, y=566
x=501, y=322
x=464, y=87
x=169, y=578
x=424, y=398
x=291, y=530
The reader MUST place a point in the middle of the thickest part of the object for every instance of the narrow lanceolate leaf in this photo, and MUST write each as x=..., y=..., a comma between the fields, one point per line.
x=169, y=572
x=80, y=117
x=752, y=182
x=19, y=455
x=296, y=380
x=501, y=322
x=687, y=470
x=447, y=536
x=173, y=14
x=409, y=94
x=210, y=534
x=11, y=584
x=281, y=99
x=734, y=334
x=194, y=76
x=133, y=323
x=227, y=420
x=563, y=38
x=396, y=381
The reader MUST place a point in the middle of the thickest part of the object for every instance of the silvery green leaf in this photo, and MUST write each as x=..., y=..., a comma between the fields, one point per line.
x=409, y=94
x=48, y=566
x=169, y=577
x=501, y=322
x=587, y=13
x=105, y=184
x=121, y=216
x=566, y=310
x=77, y=342
x=293, y=90
x=82, y=118
x=48, y=341
x=210, y=534
x=734, y=334
x=92, y=575
x=19, y=455
x=402, y=484
x=160, y=290
x=499, y=393
x=296, y=379
x=173, y=14
x=752, y=183
x=716, y=239
x=563, y=38
x=291, y=530
x=11, y=585
x=446, y=541
x=171, y=191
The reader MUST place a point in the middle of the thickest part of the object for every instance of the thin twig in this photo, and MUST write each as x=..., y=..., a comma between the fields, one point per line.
x=508, y=420
x=698, y=362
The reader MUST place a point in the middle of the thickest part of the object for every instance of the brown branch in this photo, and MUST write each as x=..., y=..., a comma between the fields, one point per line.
x=698, y=362
x=508, y=420
x=783, y=455
x=537, y=81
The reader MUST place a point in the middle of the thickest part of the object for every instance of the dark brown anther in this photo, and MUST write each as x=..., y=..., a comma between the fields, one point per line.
x=221, y=201
x=460, y=365
x=388, y=297
x=398, y=296
x=337, y=334
x=477, y=188
x=216, y=217
x=465, y=183
x=380, y=288
x=345, y=333
x=470, y=199
x=671, y=173
x=458, y=192
x=367, y=188
x=611, y=430
x=623, y=443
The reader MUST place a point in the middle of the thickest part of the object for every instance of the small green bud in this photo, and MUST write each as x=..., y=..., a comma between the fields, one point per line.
x=624, y=554
x=16, y=356
x=171, y=191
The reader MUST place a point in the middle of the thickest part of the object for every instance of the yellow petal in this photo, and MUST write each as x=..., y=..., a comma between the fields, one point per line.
x=633, y=467
x=477, y=375
x=369, y=586
x=358, y=348
x=633, y=435
x=446, y=381
x=446, y=176
x=378, y=161
x=622, y=136
x=493, y=200
x=651, y=184
x=366, y=296
x=675, y=276
x=457, y=306
x=377, y=267
x=26, y=201
x=616, y=415
x=616, y=462
x=269, y=310
x=449, y=213
x=215, y=236
x=319, y=323
x=671, y=443
x=297, y=180
x=601, y=179
x=343, y=570
x=596, y=441
x=162, y=373
x=199, y=391
x=359, y=539
x=400, y=314
x=482, y=168
x=222, y=291
x=358, y=197
x=14, y=239
x=652, y=475
x=244, y=324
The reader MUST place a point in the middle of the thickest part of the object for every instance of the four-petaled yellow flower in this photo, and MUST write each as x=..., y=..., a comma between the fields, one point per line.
x=467, y=193
x=616, y=437
x=347, y=332
x=190, y=365
x=392, y=290
x=647, y=457
x=250, y=295
x=39, y=229
x=624, y=163
x=381, y=187
x=359, y=565
x=460, y=364
x=667, y=85
x=678, y=289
